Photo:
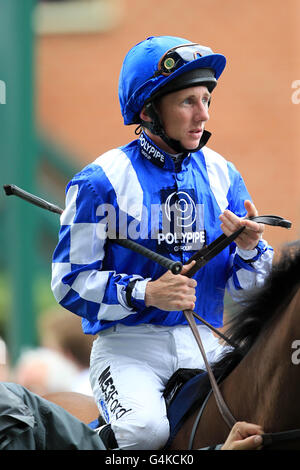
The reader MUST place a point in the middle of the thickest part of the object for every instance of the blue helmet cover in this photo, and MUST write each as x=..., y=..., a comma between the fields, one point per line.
x=136, y=81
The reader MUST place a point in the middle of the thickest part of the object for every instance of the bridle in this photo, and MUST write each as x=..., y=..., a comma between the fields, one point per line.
x=202, y=257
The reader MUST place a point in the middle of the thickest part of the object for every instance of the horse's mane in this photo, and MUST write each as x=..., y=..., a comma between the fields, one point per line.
x=261, y=306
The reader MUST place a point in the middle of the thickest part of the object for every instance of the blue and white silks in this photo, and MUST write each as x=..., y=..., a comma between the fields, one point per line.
x=135, y=191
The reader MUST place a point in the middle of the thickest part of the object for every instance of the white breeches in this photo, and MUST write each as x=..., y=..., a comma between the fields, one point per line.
x=130, y=367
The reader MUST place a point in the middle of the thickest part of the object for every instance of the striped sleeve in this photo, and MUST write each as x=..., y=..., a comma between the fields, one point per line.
x=79, y=282
x=248, y=268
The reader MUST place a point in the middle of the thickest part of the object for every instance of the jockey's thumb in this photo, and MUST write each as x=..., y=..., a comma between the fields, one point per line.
x=187, y=267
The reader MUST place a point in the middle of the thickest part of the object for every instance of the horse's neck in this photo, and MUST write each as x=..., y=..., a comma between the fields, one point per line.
x=266, y=385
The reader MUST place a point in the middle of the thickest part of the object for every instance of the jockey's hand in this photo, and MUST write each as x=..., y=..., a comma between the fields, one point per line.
x=172, y=291
x=250, y=237
x=244, y=436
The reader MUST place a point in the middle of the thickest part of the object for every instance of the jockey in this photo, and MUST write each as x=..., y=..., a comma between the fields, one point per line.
x=171, y=193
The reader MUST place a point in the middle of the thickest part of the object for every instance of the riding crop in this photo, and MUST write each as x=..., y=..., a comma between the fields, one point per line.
x=174, y=266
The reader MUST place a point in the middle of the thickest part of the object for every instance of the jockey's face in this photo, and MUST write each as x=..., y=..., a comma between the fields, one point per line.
x=183, y=115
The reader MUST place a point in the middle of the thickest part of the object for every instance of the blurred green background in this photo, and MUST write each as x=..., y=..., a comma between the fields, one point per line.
x=28, y=234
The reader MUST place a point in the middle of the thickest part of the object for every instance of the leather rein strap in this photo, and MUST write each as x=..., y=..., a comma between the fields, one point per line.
x=223, y=408
x=276, y=437
x=202, y=257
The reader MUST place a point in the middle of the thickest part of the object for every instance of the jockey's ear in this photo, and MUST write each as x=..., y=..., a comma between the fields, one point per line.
x=144, y=115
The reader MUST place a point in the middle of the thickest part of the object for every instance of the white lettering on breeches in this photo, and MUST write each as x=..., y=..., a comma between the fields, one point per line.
x=130, y=367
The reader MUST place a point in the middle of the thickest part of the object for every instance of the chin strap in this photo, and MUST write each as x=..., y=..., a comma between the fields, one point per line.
x=156, y=127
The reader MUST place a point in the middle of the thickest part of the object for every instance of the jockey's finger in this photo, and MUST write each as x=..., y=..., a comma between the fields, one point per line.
x=231, y=221
x=250, y=443
x=244, y=429
x=254, y=226
x=250, y=208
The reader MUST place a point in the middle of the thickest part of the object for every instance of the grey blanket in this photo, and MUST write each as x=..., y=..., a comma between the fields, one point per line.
x=29, y=422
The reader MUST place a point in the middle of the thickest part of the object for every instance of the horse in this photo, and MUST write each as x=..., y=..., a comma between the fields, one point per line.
x=259, y=377
x=77, y=404
x=262, y=381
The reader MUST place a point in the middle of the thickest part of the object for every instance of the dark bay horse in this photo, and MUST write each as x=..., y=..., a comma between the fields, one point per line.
x=79, y=405
x=262, y=383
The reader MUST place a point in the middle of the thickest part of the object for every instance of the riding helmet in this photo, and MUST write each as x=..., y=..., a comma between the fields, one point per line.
x=160, y=65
